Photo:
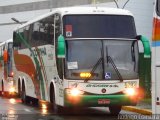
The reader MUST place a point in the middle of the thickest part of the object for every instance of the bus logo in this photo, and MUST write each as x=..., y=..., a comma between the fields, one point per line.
x=104, y=90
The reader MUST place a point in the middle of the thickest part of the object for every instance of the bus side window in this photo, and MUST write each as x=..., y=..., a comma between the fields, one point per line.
x=1, y=51
x=57, y=25
x=158, y=7
x=43, y=31
x=49, y=33
x=16, y=40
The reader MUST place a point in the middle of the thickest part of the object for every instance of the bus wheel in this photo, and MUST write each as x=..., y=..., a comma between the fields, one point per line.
x=56, y=108
x=24, y=98
x=19, y=88
x=115, y=110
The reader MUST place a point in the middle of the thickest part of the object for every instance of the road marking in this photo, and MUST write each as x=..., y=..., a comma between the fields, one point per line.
x=27, y=110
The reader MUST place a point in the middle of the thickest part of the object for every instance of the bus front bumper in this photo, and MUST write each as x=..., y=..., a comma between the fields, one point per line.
x=99, y=100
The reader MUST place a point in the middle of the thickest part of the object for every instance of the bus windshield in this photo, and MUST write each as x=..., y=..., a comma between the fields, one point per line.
x=83, y=55
x=99, y=26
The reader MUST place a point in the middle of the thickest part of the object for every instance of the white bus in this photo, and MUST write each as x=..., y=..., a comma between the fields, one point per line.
x=79, y=57
x=6, y=73
x=156, y=59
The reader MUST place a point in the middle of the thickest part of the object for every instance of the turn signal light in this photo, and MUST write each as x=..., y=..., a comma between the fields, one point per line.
x=85, y=75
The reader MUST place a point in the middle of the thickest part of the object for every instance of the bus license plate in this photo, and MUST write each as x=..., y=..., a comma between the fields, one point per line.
x=103, y=101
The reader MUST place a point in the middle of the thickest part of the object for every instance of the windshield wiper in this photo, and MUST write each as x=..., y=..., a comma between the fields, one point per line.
x=115, y=68
x=94, y=68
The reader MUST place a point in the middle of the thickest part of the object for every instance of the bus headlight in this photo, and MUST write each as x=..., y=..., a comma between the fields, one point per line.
x=130, y=92
x=74, y=92
x=12, y=90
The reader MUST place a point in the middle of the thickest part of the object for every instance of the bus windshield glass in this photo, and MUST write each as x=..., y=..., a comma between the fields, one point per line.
x=82, y=56
x=99, y=26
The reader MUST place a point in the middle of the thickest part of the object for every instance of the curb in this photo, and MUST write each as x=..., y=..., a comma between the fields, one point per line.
x=137, y=110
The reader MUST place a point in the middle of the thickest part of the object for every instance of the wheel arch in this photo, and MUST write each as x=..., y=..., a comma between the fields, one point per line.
x=19, y=88
x=23, y=84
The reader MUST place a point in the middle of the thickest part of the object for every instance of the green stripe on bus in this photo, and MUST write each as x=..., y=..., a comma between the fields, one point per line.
x=38, y=68
x=99, y=100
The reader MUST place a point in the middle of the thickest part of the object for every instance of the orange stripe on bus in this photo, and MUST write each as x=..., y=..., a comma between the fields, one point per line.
x=156, y=30
x=25, y=64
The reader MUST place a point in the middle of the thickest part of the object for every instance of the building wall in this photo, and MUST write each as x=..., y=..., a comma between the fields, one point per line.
x=142, y=11
x=24, y=10
x=19, y=6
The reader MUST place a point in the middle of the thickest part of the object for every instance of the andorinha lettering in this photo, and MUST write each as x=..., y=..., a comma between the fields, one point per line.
x=101, y=85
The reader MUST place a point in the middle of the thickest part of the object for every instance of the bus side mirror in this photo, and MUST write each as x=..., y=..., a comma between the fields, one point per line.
x=146, y=45
x=5, y=56
x=61, y=47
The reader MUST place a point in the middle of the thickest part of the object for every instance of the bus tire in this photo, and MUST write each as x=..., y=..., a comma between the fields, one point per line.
x=19, y=88
x=24, y=97
x=115, y=110
x=56, y=108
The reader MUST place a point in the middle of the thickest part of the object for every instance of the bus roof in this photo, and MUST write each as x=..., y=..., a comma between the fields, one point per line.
x=6, y=41
x=80, y=10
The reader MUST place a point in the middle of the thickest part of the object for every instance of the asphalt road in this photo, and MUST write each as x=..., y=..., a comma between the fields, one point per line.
x=14, y=109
